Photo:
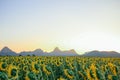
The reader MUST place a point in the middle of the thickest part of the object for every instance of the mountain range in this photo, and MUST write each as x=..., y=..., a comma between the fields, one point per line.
x=102, y=54
x=57, y=52
x=38, y=52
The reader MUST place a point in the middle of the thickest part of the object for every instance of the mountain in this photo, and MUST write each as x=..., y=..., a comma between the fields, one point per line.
x=37, y=52
x=55, y=52
x=58, y=52
x=102, y=54
x=7, y=52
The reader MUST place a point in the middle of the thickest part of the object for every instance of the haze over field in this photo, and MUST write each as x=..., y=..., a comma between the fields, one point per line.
x=68, y=24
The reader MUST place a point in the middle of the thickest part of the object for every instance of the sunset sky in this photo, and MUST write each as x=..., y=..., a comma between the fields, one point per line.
x=83, y=25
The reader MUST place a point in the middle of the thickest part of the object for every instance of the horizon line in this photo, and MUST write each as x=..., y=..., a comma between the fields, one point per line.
x=59, y=49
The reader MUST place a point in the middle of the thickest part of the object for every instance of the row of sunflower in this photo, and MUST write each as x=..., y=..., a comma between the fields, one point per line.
x=59, y=68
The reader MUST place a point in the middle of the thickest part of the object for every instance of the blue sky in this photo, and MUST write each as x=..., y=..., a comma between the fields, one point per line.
x=81, y=25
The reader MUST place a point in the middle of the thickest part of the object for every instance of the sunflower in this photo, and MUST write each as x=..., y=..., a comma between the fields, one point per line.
x=88, y=74
x=32, y=66
x=25, y=68
x=71, y=66
x=61, y=78
x=58, y=63
x=112, y=68
x=109, y=77
x=31, y=76
x=12, y=71
x=27, y=78
x=47, y=69
x=35, y=67
x=69, y=73
x=3, y=66
x=93, y=71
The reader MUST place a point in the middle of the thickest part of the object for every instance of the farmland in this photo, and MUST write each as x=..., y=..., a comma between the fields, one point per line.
x=59, y=68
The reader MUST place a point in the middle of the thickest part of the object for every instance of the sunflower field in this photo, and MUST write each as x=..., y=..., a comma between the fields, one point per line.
x=59, y=68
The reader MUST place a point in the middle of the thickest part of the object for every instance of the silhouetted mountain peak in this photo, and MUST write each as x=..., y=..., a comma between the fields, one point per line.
x=102, y=53
x=6, y=49
x=38, y=50
x=56, y=50
x=72, y=51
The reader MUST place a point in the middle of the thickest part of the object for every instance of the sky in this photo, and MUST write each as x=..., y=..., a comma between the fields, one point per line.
x=83, y=25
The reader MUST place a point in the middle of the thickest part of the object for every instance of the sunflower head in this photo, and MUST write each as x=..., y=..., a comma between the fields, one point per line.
x=4, y=65
x=36, y=66
x=14, y=72
x=25, y=68
x=69, y=73
x=47, y=69
x=58, y=63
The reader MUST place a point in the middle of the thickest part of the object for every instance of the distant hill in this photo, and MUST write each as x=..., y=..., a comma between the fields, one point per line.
x=58, y=52
x=102, y=54
x=7, y=52
x=38, y=52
